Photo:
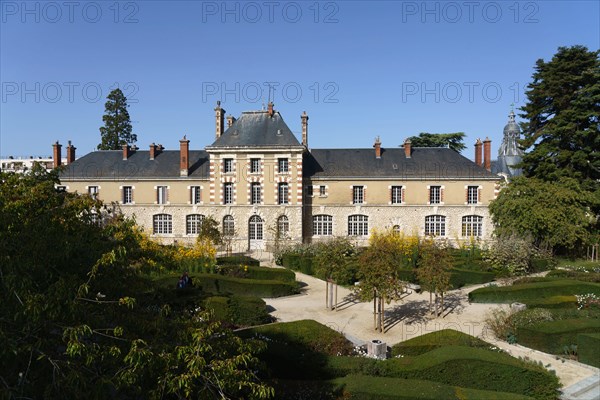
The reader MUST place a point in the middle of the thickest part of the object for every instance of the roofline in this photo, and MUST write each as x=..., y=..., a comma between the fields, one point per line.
x=254, y=148
x=403, y=178
x=133, y=179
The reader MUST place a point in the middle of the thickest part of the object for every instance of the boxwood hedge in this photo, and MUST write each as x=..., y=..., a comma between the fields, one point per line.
x=552, y=336
x=219, y=284
x=532, y=291
x=588, y=348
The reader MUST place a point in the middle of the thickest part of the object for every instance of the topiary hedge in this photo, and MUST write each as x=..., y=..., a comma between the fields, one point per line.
x=532, y=291
x=553, y=302
x=238, y=260
x=219, y=284
x=552, y=336
x=275, y=274
x=588, y=348
x=431, y=341
x=239, y=310
x=462, y=277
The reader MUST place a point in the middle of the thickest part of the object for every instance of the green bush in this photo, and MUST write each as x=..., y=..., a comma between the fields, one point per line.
x=306, y=265
x=239, y=310
x=238, y=260
x=577, y=275
x=551, y=337
x=532, y=291
x=292, y=261
x=462, y=277
x=218, y=284
x=446, y=337
x=408, y=275
x=553, y=302
x=275, y=274
x=220, y=307
x=588, y=348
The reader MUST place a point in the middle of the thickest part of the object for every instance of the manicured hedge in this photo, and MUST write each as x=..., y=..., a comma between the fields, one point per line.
x=588, y=348
x=552, y=336
x=578, y=275
x=553, y=302
x=298, y=263
x=219, y=284
x=431, y=341
x=532, y=291
x=462, y=277
x=275, y=274
x=239, y=310
x=238, y=260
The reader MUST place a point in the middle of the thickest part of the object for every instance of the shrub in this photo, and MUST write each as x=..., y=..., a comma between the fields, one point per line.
x=239, y=310
x=462, y=277
x=588, y=347
x=238, y=260
x=499, y=322
x=306, y=265
x=554, y=302
x=583, y=276
x=532, y=291
x=553, y=336
x=217, y=284
x=292, y=261
x=530, y=317
x=446, y=337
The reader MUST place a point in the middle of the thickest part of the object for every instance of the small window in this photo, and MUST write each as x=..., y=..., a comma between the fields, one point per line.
x=162, y=224
x=196, y=194
x=283, y=165
x=228, y=226
x=93, y=191
x=322, y=191
x=193, y=223
x=227, y=165
x=161, y=194
x=127, y=194
x=396, y=194
x=282, y=193
x=228, y=193
x=61, y=188
x=283, y=226
x=255, y=165
x=435, y=194
x=472, y=194
x=309, y=191
x=358, y=194
x=255, y=193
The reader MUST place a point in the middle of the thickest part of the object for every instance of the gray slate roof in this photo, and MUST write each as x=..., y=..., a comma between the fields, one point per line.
x=109, y=164
x=425, y=163
x=257, y=129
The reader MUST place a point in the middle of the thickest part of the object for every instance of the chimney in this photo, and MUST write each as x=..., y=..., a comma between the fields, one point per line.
x=125, y=151
x=220, y=119
x=57, y=154
x=407, y=148
x=304, y=118
x=70, y=153
x=152, y=151
x=478, y=159
x=184, y=155
x=270, y=109
x=487, y=154
x=230, y=120
x=377, y=147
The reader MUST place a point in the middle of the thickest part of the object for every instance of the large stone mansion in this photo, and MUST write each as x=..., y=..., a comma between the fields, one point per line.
x=260, y=182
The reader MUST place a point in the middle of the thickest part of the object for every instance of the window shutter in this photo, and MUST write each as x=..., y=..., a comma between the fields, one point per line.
x=428, y=195
x=467, y=195
x=478, y=195
x=441, y=195
x=402, y=194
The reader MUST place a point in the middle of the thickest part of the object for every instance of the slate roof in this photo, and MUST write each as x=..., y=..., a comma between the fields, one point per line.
x=109, y=164
x=431, y=163
x=257, y=129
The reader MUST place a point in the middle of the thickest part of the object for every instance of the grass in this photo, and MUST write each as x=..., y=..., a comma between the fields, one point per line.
x=534, y=291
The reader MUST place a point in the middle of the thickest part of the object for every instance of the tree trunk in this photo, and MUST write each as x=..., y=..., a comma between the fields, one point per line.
x=336, y=298
x=326, y=292
x=442, y=303
x=436, y=305
x=430, y=302
x=375, y=309
x=382, y=316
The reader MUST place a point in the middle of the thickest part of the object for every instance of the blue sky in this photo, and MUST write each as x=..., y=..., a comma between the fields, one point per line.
x=360, y=69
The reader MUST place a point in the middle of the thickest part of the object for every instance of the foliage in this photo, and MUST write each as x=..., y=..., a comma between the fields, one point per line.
x=511, y=254
x=454, y=141
x=209, y=232
x=588, y=345
x=498, y=321
x=561, y=118
x=77, y=319
x=552, y=336
x=333, y=258
x=555, y=213
x=239, y=310
x=430, y=341
x=116, y=131
x=524, y=293
x=434, y=271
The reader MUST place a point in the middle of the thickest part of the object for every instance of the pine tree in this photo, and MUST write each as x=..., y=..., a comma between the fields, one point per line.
x=117, y=126
x=454, y=140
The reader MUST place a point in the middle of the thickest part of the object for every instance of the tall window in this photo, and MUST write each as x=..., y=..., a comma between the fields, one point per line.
x=254, y=165
x=161, y=195
x=282, y=193
x=396, y=194
x=283, y=165
x=358, y=194
x=196, y=194
x=309, y=190
x=283, y=226
x=193, y=222
x=472, y=225
x=228, y=193
x=255, y=193
x=322, y=191
x=472, y=194
x=227, y=165
x=358, y=225
x=435, y=225
x=162, y=224
x=255, y=228
x=228, y=226
x=93, y=191
x=322, y=225
x=127, y=194
x=435, y=194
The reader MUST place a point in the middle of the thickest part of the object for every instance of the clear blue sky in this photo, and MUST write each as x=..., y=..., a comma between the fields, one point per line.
x=378, y=68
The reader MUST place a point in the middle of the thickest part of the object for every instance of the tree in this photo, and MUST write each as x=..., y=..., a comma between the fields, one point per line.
x=331, y=262
x=434, y=271
x=561, y=118
x=117, y=126
x=556, y=214
x=452, y=140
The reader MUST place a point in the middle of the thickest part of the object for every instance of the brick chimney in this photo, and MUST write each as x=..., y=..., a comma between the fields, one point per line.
x=70, y=153
x=270, y=109
x=230, y=120
x=57, y=154
x=184, y=156
x=407, y=148
x=304, y=118
x=487, y=154
x=125, y=151
x=377, y=147
x=478, y=158
x=152, y=151
x=220, y=120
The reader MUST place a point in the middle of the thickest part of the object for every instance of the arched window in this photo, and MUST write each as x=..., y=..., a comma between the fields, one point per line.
x=283, y=226
x=472, y=226
x=228, y=226
x=193, y=223
x=358, y=225
x=435, y=225
x=162, y=224
x=255, y=228
x=322, y=225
